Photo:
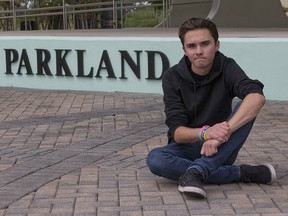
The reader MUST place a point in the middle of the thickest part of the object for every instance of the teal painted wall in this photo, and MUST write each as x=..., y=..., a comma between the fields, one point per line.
x=265, y=59
x=262, y=58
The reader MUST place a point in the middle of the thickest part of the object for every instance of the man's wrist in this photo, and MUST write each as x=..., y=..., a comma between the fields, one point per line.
x=202, y=133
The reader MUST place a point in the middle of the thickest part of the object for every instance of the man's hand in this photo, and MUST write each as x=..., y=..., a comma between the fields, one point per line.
x=210, y=147
x=220, y=132
x=216, y=135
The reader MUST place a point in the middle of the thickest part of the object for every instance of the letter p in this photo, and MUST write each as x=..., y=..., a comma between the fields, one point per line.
x=12, y=56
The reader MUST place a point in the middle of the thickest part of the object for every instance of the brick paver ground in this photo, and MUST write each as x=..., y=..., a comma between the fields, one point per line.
x=73, y=153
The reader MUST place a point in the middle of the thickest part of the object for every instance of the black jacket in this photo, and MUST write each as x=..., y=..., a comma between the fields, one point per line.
x=195, y=104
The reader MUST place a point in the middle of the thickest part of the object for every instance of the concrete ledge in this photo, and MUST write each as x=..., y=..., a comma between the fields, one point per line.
x=153, y=32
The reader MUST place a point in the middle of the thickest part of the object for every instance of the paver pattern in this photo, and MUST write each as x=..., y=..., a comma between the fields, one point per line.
x=72, y=153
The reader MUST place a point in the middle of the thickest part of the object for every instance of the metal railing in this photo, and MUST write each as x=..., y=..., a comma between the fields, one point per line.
x=91, y=15
x=72, y=16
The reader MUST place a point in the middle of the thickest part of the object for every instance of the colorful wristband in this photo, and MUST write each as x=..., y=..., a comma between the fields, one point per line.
x=202, y=134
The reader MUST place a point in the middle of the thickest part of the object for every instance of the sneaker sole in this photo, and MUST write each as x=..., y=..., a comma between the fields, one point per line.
x=273, y=172
x=193, y=191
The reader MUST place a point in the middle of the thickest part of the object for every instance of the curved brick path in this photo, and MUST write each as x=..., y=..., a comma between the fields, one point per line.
x=83, y=153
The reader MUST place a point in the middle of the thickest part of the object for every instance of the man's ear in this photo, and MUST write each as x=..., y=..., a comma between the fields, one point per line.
x=218, y=45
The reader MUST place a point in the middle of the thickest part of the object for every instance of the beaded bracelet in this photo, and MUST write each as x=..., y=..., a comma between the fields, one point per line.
x=202, y=134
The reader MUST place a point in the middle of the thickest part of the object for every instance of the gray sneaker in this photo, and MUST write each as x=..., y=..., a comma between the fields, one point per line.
x=191, y=184
x=261, y=174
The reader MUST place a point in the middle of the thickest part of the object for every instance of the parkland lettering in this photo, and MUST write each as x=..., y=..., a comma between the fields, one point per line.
x=58, y=63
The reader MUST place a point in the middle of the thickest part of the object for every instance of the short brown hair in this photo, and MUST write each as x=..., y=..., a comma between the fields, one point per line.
x=198, y=23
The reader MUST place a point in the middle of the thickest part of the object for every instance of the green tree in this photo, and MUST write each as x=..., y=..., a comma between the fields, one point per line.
x=86, y=20
x=149, y=16
x=5, y=23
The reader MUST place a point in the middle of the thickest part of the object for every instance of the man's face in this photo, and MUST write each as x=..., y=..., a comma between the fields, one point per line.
x=200, y=48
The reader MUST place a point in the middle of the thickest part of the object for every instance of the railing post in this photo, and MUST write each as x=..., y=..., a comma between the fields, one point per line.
x=64, y=16
x=14, y=16
x=25, y=21
x=114, y=15
x=163, y=13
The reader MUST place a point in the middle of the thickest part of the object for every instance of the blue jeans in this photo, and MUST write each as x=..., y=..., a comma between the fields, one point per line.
x=173, y=160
